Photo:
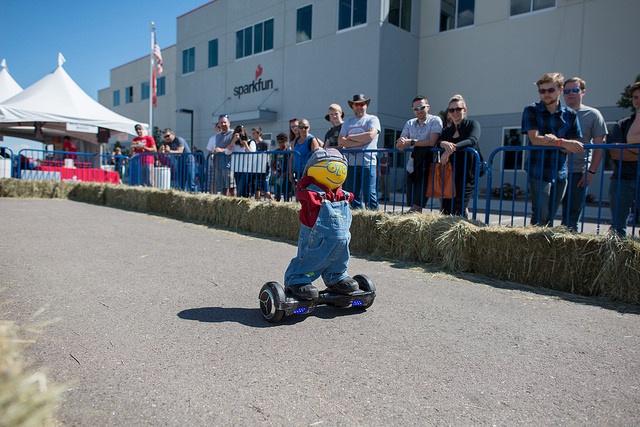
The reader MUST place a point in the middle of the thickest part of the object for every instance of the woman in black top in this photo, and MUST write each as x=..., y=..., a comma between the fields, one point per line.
x=461, y=133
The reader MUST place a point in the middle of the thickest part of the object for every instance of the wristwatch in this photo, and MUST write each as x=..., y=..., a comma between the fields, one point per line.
x=413, y=142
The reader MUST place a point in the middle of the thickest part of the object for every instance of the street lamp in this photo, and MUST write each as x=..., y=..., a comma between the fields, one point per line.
x=188, y=111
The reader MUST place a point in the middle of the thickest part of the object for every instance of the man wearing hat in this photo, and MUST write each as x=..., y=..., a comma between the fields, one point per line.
x=325, y=219
x=361, y=133
x=336, y=117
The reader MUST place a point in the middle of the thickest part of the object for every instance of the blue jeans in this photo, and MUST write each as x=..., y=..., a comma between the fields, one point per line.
x=323, y=249
x=572, y=203
x=361, y=181
x=546, y=197
x=622, y=194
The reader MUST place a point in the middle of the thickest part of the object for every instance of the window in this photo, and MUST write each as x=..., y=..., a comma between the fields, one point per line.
x=144, y=90
x=161, y=88
x=128, y=95
x=189, y=60
x=513, y=160
x=456, y=14
x=254, y=39
x=400, y=14
x=213, y=53
x=519, y=7
x=351, y=13
x=116, y=98
x=303, y=24
x=390, y=137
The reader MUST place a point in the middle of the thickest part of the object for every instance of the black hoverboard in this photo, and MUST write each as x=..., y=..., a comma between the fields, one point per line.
x=275, y=303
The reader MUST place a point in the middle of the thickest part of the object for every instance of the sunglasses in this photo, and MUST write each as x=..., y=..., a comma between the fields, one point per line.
x=359, y=104
x=574, y=90
x=223, y=116
x=456, y=110
x=303, y=127
x=166, y=136
x=420, y=108
x=550, y=90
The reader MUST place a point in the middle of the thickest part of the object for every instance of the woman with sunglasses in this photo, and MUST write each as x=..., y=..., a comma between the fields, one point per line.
x=461, y=133
x=303, y=146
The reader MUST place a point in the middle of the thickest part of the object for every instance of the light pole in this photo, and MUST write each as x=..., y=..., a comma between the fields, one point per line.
x=190, y=112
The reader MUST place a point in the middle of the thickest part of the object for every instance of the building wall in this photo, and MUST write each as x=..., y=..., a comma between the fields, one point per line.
x=134, y=74
x=493, y=63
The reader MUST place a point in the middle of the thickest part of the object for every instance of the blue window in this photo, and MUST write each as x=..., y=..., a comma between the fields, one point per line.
x=144, y=90
x=213, y=53
x=128, y=95
x=189, y=60
x=519, y=7
x=116, y=98
x=254, y=39
x=351, y=13
x=161, y=89
x=456, y=14
x=303, y=24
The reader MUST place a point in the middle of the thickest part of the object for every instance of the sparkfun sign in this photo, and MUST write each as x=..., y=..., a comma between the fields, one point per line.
x=258, y=85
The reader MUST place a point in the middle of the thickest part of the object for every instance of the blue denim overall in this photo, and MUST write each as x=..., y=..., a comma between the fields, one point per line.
x=324, y=248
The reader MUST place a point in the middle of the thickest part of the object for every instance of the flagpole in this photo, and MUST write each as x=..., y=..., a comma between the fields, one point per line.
x=153, y=35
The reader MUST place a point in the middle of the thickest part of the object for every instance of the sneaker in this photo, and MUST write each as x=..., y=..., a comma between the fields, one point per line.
x=305, y=291
x=344, y=286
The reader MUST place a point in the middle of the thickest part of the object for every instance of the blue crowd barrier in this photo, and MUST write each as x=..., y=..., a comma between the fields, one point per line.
x=507, y=190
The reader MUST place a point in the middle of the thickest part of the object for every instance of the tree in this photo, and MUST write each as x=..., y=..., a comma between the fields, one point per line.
x=625, y=96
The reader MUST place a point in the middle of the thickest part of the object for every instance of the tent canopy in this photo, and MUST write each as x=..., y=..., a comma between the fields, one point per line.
x=8, y=86
x=56, y=106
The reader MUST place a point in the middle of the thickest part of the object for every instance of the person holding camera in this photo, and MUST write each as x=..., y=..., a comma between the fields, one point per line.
x=241, y=162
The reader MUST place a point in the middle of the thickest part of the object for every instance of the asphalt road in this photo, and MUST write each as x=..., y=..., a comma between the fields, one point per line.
x=152, y=321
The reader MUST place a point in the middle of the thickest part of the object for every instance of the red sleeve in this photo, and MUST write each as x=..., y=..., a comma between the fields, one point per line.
x=311, y=203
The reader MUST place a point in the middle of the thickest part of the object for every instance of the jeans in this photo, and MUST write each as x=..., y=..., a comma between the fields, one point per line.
x=323, y=249
x=361, y=181
x=622, y=194
x=572, y=202
x=546, y=197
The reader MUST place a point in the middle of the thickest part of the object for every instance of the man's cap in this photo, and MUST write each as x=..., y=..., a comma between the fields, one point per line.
x=321, y=154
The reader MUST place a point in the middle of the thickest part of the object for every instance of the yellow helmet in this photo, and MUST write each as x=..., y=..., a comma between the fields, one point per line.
x=328, y=167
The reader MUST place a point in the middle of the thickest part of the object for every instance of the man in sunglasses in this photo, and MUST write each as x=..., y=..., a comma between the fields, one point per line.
x=582, y=168
x=420, y=133
x=361, y=133
x=550, y=124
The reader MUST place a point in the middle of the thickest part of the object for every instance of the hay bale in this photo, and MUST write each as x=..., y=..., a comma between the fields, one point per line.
x=539, y=256
x=619, y=277
x=88, y=192
x=365, y=230
x=456, y=245
x=129, y=198
x=401, y=237
x=274, y=219
x=10, y=187
x=161, y=202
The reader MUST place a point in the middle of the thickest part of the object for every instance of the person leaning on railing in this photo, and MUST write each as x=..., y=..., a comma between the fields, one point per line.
x=623, y=189
x=461, y=133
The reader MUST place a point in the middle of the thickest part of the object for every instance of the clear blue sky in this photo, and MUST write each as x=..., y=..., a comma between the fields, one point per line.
x=93, y=35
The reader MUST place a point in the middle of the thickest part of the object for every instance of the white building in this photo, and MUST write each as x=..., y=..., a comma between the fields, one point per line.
x=265, y=62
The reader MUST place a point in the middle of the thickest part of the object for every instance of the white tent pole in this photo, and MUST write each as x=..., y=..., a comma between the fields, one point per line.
x=153, y=31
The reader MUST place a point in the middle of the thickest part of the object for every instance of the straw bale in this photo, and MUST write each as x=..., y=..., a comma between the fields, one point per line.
x=130, y=198
x=619, y=277
x=275, y=219
x=365, y=230
x=400, y=237
x=88, y=192
x=540, y=256
x=161, y=201
x=456, y=245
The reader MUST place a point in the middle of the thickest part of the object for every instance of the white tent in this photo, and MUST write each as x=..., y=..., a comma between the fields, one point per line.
x=56, y=106
x=8, y=86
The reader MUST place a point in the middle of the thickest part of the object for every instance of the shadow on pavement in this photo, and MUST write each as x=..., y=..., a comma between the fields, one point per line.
x=253, y=317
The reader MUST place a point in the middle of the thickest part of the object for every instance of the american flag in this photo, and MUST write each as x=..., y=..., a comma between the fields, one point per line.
x=157, y=54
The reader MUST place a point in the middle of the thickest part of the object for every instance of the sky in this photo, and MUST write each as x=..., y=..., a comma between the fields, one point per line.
x=94, y=37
